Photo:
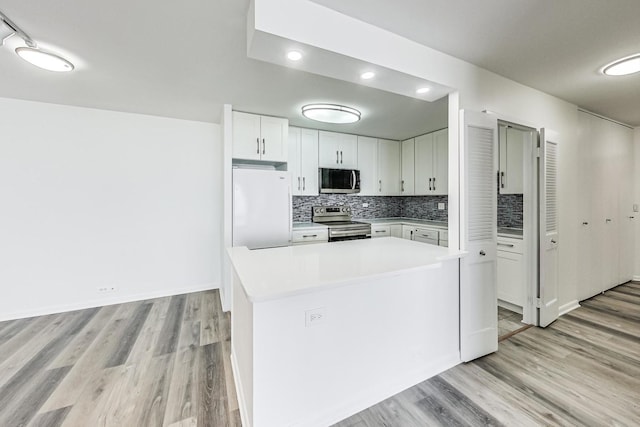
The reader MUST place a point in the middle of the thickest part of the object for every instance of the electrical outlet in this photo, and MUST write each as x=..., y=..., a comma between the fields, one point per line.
x=365, y=205
x=105, y=289
x=314, y=317
x=440, y=206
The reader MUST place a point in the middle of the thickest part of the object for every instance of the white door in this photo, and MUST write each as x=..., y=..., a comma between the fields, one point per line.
x=293, y=162
x=348, y=148
x=549, y=236
x=424, y=164
x=273, y=132
x=478, y=235
x=246, y=136
x=389, y=167
x=328, y=151
x=441, y=162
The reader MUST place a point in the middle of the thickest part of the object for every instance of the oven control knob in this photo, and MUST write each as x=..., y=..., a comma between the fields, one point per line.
x=344, y=209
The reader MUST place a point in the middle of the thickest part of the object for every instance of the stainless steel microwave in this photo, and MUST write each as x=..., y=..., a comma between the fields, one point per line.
x=339, y=180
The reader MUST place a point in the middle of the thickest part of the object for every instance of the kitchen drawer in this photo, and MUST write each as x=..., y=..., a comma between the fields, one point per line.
x=301, y=237
x=380, y=230
x=506, y=244
x=425, y=233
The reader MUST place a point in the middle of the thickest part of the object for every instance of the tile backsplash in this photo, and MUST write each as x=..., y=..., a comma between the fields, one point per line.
x=510, y=210
x=419, y=207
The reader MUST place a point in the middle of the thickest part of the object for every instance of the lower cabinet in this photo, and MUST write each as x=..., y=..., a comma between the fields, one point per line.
x=511, y=273
x=380, y=231
x=311, y=235
x=420, y=234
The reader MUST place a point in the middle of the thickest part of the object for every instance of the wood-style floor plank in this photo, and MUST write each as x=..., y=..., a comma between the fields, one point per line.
x=165, y=362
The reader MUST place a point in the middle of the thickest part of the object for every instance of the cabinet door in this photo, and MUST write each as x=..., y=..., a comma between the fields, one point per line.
x=273, y=134
x=408, y=166
x=293, y=160
x=441, y=162
x=380, y=231
x=309, y=162
x=348, y=148
x=408, y=232
x=389, y=168
x=246, y=136
x=424, y=164
x=396, y=230
x=328, y=150
x=510, y=278
x=368, y=161
x=511, y=160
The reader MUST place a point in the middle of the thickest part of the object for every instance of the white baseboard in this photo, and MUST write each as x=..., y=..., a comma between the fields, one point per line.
x=570, y=306
x=636, y=278
x=244, y=416
x=510, y=306
x=120, y=299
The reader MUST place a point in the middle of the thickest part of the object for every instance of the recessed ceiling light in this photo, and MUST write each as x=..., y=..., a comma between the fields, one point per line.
x=294, y=55
x=331, y=113
x=367, y=75
x=423, y=90
x=624, y=66
x=45, y=60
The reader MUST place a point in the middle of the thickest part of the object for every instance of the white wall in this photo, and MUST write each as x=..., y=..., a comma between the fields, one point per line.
x=92, y=198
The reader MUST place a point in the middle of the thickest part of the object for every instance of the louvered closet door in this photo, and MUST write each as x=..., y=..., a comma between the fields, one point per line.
x=478, y=235
x=549, y=236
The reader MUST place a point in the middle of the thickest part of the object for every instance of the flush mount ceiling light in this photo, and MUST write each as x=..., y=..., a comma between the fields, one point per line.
x=423, y=90
x=367, y=75
x=44, y=60
x=624, y=66
x=294, y=55
x=32, y=54
x=331, y=113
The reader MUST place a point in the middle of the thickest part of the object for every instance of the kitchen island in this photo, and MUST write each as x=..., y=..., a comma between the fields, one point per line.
x=320, y=332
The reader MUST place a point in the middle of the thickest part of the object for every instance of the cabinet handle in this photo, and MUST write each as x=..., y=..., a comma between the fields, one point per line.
x=337, y=157
x=434, y=183
x=298, y=183
x=381, y=231
x=403, y=185
x=341, y=157
x=482, y=253
x=264, y=146
x=411, y=234
x=585, y=223
x=304, y=184
x=501, y=179
x=608, y=220
x=309, y=235
x=258, y=146
x=380, y=185
x=553, y=241
x=509, y=245
x=631, y=217
x=430, y=184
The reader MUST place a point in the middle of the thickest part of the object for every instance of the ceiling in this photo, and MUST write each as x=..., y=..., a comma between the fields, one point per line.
x=184, y=61
x=557, y=47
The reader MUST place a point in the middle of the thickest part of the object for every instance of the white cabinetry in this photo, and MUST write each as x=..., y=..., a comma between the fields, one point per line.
x=420, y=234
x=431, y=163
x=511, y=149
x=396, y=230
x=368, y=165
x=607, y=219
x=303, y=161
x=408, y=166
x=338, y=150
x=259, y=137
x=310, y=235
x=380, y=231
x=389, y=168
x=511, y=273
x=379, y=165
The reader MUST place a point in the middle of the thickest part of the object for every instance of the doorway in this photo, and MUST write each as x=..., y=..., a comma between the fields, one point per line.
x=517, y=259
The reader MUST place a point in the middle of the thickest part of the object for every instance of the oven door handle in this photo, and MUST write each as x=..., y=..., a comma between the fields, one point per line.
x=339, y=232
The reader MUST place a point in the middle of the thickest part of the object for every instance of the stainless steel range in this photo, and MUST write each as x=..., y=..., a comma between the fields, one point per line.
x=341, y=227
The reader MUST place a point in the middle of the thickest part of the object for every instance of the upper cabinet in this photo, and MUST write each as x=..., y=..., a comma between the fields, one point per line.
x=432, y=163
x=408, y=167
x=511, y=146
x=389, y=180
x=368, y=165
x=303, y=161
x=259, y=137
x=338, y=150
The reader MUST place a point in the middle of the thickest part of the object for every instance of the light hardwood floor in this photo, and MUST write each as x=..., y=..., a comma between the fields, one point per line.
x=165, y=362
x=162, y=362
x=508, y=321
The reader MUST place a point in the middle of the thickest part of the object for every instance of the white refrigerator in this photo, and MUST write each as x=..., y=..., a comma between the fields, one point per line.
x=261, y=208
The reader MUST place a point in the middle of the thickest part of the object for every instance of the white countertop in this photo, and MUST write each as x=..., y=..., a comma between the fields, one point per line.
x=308, y=225
x=408, y=221
x=268, y=274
